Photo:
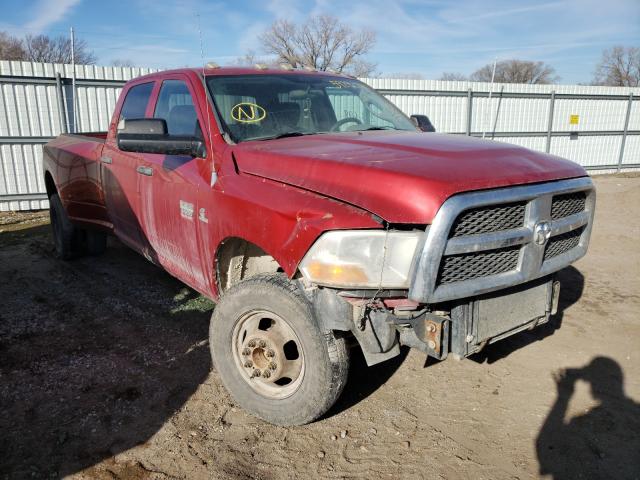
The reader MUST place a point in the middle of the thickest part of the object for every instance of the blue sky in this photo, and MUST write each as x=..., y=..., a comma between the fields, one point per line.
x=426, y=37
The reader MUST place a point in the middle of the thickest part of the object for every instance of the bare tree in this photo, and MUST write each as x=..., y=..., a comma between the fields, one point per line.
x=251, y=58
x=454, y=76
x=11, y=47
x=122, y=62
x=517, y=71
x=42, y=48
x=323, y=43
x=619, y=67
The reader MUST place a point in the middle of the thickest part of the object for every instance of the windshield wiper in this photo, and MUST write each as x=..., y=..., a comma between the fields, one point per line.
x=285, y=135
x=375, y=128
x=288, y=134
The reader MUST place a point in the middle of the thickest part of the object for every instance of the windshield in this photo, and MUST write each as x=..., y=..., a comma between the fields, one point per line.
x=262, y=107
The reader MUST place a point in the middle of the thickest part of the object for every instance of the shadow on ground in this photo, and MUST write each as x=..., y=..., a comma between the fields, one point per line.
x=99, y=353
x=364, y=381
x=571, y=288
x=96, y=354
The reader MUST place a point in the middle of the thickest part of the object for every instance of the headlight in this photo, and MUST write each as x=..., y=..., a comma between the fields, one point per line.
x=361, y=258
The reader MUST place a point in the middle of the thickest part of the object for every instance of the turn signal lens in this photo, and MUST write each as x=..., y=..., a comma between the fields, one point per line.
x=337, y=274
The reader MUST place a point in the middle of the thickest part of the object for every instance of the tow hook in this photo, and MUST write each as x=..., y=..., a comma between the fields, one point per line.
x=429, y=333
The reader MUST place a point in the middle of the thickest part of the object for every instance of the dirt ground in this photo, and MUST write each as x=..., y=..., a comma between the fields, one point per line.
x=105, y=373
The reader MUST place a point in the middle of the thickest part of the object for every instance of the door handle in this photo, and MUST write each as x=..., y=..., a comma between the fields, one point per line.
x=148, y=171
x=106, y=160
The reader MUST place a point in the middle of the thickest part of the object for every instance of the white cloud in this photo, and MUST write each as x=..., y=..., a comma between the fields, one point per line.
x=251, y=41
x=149, y=55
x=497, y=13
x=284, y=9
x=48, y=13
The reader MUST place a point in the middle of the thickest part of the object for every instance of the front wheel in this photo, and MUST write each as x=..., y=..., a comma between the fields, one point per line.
x=271, y=354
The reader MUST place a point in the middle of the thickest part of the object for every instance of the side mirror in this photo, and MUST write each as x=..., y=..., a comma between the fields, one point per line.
x=423, y=123
x=149, y=135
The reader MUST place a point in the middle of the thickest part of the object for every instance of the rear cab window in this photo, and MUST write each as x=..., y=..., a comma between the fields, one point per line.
x=135, y=103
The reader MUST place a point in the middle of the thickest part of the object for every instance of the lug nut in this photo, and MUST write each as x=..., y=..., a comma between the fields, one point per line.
x=256, y=373
x=246, y=352
x=252, y=343
x=271, y=353
x=273, y=365
x=262, y=344
x=266, y=374
x=248, y=364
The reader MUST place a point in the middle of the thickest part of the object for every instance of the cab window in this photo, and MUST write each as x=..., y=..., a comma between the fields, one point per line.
x=136, y=101
x=175, y=105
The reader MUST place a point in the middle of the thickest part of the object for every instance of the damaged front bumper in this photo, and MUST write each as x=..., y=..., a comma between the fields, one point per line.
x=460, y=328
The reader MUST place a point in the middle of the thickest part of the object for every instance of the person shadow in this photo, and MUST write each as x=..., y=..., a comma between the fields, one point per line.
x=603, y=442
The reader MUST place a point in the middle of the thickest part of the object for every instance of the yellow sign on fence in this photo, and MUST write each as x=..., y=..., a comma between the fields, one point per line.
x=574, y=119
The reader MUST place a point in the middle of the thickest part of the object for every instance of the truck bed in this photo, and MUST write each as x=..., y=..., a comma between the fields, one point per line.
x=91, y=136
x=73, y=162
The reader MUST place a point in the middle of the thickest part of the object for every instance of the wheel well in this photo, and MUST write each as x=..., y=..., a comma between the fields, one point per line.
x=238, y=259
x=49, y=184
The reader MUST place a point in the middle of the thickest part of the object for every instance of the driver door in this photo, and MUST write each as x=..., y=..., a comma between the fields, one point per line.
x=170, y=186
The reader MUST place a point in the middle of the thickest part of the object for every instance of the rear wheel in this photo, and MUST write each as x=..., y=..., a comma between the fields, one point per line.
x=66, y=236
x=271, y=354
x=96, y=242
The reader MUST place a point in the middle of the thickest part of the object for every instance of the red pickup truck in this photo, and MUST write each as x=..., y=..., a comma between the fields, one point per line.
x=319, y=218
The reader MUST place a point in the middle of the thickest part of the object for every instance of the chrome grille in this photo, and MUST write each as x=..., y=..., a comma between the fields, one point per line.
x=562, y=243
x=488, y=240
x=568, y=204
x=489, y=219
x=456, y=268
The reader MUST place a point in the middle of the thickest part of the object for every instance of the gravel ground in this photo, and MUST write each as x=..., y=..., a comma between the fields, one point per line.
x=105, y=373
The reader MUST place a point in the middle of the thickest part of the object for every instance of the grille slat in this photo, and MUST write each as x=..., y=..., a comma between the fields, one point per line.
x=562, y=243
x=567, y=204
x=489, y=219
x=456, y=268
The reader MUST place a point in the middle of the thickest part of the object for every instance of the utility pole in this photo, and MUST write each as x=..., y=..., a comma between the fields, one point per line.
x=493, y=76
x=73, y=82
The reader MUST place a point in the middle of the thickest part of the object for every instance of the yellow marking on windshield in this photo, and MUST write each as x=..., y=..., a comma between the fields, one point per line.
x=247, y=112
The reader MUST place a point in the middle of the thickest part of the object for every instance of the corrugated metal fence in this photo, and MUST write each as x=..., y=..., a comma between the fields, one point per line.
x=36, y=104
x=598, y=127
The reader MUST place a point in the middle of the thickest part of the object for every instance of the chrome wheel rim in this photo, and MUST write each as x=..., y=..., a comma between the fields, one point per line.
x=268, y=354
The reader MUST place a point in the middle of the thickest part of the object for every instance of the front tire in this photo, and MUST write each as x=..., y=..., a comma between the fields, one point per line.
x=271, y=354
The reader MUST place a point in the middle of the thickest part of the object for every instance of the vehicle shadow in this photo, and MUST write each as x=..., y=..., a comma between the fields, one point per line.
x=603, y=442
x=364, y=380
x=96, y=354
x=571, y=288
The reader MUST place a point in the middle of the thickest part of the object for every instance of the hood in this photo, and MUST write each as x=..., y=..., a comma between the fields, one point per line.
x=403, y=177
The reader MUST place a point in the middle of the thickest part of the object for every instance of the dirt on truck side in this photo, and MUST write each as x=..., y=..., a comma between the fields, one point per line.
x=105, y=373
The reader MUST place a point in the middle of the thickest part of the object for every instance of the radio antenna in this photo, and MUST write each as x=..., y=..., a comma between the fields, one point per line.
x=206, y=97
